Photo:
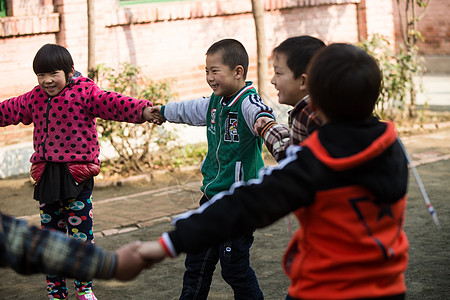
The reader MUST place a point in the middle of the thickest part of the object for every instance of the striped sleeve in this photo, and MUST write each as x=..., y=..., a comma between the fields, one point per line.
x=276, y=138
x=253, y=108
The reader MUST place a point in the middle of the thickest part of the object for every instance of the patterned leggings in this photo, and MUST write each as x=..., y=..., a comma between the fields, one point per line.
x=73, y=216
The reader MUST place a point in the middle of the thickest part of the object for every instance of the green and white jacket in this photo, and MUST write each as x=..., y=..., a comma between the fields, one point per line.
x=234, y=149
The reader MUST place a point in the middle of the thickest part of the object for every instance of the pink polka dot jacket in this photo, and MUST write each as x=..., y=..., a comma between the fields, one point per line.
x=65, y=127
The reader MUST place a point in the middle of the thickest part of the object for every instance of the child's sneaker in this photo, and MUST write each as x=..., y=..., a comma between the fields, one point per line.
x=86, y=296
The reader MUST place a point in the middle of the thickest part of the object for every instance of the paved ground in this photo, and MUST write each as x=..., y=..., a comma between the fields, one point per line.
x=141, y=210
x=158, y=204
x=131, y=210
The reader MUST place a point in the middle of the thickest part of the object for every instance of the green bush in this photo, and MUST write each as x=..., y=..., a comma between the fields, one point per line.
x=402, y=77
x=139, y=147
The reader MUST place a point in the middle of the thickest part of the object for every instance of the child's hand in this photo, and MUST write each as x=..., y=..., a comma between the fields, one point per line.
x=129, y=262
x=153, y=115
x=260, y=123
x=152, y=252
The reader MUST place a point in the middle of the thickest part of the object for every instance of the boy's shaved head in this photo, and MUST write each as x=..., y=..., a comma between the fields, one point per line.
x=233, y=53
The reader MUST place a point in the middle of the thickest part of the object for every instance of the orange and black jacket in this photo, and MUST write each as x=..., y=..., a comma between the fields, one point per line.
x=347, y=186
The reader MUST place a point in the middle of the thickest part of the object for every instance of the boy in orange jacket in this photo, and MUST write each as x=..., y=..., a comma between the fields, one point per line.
x=346, y=185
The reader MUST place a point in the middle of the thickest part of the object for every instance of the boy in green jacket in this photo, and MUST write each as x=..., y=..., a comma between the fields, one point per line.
x=234, y=155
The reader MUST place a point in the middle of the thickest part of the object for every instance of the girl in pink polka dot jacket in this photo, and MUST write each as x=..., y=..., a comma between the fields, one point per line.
x=63, y=110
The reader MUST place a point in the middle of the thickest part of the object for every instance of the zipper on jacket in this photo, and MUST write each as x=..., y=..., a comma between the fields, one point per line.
x=238, y=171
x=217, y=151
x=48, y=116
x=43, y=143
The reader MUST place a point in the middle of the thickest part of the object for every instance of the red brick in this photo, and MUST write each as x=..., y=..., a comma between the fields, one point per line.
x=147, y=35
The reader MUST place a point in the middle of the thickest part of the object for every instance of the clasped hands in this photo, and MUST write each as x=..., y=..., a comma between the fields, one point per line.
x=133, y=257
x=152, y=114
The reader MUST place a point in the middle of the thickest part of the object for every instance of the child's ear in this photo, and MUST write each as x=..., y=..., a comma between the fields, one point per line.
x=71, y=73
x=303, y=82
x=239, y=72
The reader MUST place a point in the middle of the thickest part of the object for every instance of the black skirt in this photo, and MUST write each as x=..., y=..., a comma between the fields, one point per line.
x=57, y=184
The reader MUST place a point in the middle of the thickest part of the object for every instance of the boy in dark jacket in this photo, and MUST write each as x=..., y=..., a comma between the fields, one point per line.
x=346, y=185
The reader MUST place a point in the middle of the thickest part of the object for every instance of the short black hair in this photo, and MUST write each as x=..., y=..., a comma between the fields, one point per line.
x=344, y=82
x=233, y=53
x=298, y=51
x=52, y=57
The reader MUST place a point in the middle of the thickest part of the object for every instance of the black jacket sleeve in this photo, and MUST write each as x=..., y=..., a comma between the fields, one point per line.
x=257, y=203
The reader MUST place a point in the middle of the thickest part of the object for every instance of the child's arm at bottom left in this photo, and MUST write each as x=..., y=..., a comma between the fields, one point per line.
x=29, y=250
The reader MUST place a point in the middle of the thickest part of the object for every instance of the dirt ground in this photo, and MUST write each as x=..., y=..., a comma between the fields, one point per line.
x=427, y=277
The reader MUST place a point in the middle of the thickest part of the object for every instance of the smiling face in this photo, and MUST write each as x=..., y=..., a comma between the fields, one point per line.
x=290, y=90
x=223, y=80
x=53, y=82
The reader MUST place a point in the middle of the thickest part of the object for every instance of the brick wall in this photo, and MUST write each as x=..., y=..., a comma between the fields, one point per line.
x=167, y=40
x=154, y=35
x=74, y=29
x=378, y=14
x=170, y=44
x=19, y=8
x=434, y=27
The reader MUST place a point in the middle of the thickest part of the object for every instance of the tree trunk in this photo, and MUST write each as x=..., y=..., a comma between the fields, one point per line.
x=91, y=36
x=410, y=37
x=258, y=16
